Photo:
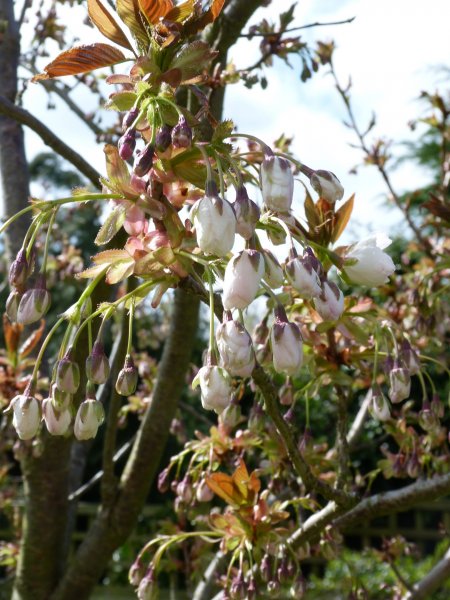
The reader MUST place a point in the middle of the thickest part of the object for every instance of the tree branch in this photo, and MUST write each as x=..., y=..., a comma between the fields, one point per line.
x=22, y=116
x=292, y=29
x=432, y=580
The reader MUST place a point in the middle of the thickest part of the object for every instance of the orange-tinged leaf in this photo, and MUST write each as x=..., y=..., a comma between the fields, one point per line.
x=82, y=59
x=341, y=218
x=107, y=257
x=216, y=8
x=132, y=17
x=32, y=340
x=155, y=9
x=120, y=270
x=106, y=24
x=206, y=18
x=223, y=485
x=12, y=332
x=181, y=12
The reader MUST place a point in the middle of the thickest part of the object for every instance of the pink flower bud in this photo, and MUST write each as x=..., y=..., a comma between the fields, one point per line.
x=146, y=589
x=97, y=365
x=163, y=481
x=68, y=373
x=34, y=304
x=184, y=491
x=287, y=347
x=243, y=276
x=214, y=222
x=26, y=415
x=273, y=273
x=181, y=134
x=400, y=384
x=235, y=348
x=128, y=377
x=203, y=493
x=56, y=421
x=277, y=183
x=369, y=265
x=90, y=416
x=136, y=573
x=127, y=144
x=330, y=303
x=135, y=221
x=247, y=214
x=143, y=161
x=130, y=117
x=19, y=270
x=379, y=406
x=12, y=305
x=410, y=358
x=304, y=277
x=163, y=138
x=327, y=185
x=215, y=388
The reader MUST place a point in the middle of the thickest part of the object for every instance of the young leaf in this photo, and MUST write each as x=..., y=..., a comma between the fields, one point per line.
x=191, y=59
x=132, y=17
x=341, y=218
x=181, y=13
x=155, y=9
x=112, y=224
x=121, y=101
x=106, y=24
x=32, y=340
x=120, y=270
x=11, y=332
x=82, y=59
x=107, y=257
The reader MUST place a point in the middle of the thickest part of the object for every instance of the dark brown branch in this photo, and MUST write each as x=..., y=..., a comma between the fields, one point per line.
x=292, y=29
x=22, y=116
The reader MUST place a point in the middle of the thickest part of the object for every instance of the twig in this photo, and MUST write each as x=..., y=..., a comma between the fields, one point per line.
x=315, y=524
x=50, y=139
x=358, y=423
x=399, y=576
x=308, y=26
x=205, y=586
x=432, y=581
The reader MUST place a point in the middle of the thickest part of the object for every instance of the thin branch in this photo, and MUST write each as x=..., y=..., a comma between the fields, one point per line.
x=25, y=7
x=300, y=27
x=432, y=581
x=399, y=575
x=98, y=476
x=204, y=589
x=315, y=524
x=22, y=116
x=358, y=422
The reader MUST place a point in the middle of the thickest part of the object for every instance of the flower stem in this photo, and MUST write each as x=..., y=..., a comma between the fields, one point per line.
x=212, y=339
x=130, y=326
x=265, y=148
x=47, y=241
x=42, y=349
x=207, y=162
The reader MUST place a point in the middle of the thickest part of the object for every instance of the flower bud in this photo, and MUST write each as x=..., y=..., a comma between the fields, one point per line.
x=184, y=490
x=97, y=365
x=163, y=138
x=330, y=303
x=277, y=183
x=56, y=421
x=61, y=400
x=143, y=161
x=286, y=342
x=214, y=222
x=68, y=373
x=372, y=266
x=428, y=419
x=273, y=273
x=410, y=358
x=273, y=587
x=327, y=185
x=400, y=384
x=163, y=481
x=304, y=277
x=215, y=388
x=34, y=304
x=136, y=573
x=379, y=406
x=437, y=407
x=247, y=214
x=135, y=222
x=26, y=415
x=242, y=279
x=181, y=134
x=12, y=305
x=19, y=270
x=231, y=416
x=235, y=348
x=130, y=117
x=203, y=492
x=127, y=144
x=128, y=377
x=90, y=416
x=147, y=589
x=265, y=568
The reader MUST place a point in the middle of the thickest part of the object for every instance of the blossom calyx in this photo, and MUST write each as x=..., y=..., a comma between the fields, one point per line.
x=19, y=270
x=242, y=278
x=327, y=185
x=215, y=387
x=400, y=384
x=273, y=273
x=97, y=365
x=181, y=134
x=143, y=161
x=379, y=406
x=247, y=214
x=214, y=222
x=277, y=183
x=26, y=415
x=127, y=378
x=367, y=264
x=34, y=303
x=127, y=144
x=68, y=373
x=12, y=305
x=303, y=276
x=61, y=400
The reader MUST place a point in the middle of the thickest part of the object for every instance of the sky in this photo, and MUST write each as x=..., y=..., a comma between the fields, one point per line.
x=392, y=50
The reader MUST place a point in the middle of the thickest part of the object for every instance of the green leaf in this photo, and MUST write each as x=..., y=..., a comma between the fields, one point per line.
x=112, y=224
x=108, y=257
x=120, y=270
x=121, y=101
x=192, y=59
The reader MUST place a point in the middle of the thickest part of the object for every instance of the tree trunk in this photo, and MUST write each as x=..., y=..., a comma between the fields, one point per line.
x=13, y=165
